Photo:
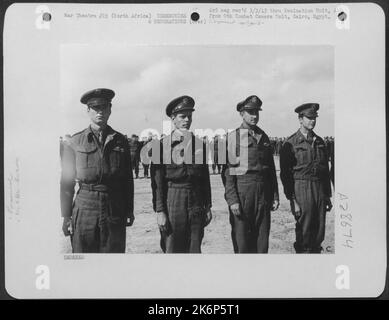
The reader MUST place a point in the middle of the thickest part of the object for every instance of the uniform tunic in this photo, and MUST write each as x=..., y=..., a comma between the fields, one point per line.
x=183, y=191
x=255, y=190
x=305, y=177
x=106, y=191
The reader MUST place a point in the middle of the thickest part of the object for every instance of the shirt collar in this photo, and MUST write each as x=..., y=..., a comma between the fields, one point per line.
x=256, y=129
x=109, y=132
x=255, y=132
x=177, y=135
x=302, y=137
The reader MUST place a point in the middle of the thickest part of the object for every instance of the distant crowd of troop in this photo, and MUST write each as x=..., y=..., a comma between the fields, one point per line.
x=218, y=141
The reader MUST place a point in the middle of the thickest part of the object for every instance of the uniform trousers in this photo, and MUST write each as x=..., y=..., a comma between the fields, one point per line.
x=250, y=231
x=310, y=225
x=96, y=226
x=186, y=219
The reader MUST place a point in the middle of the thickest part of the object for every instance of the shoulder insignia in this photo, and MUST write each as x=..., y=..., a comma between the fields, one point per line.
x=233, y=132
x=75, y=138
x=319, y=138
x=291, y=136
x=78, y=133
x=166, y=137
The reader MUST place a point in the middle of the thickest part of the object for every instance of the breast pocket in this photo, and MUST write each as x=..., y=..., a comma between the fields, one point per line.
x=117, y=158
x=86, y=157
x=249, y=143
x=244, y=151
x=321, y=153
x=265, y=154
x=302, y=155
x=264, y=150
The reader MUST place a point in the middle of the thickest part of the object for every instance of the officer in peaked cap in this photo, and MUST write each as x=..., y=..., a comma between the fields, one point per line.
x=250, y=103
x=252, y=193
x=306, y=180
x=180, y=104
x=181, y=184
x=308, y=110
x=97, y=158
x=97, y=96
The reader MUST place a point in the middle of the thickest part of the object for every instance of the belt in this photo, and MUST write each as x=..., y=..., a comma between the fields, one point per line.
x=94, y=187
x=258, y=175
x=184, y=185
x=306, y=177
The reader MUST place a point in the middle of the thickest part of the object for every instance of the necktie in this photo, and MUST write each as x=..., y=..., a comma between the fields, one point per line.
x=255, y=135
x=310, y=137
x=101, y=138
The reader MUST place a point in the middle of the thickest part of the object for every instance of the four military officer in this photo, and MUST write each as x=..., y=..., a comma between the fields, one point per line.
x=251, y=193
x=99, y=160
x=306, y=180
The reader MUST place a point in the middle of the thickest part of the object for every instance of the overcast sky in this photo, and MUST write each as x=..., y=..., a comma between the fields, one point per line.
x=145, y=79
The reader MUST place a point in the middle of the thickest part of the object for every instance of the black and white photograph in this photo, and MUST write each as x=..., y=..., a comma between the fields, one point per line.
x=194, y=151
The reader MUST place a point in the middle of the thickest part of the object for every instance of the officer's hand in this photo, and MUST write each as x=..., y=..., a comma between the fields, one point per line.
x=275, y=205
x=328, y=204
x=296, y=211
x=235, y=208
x=130, y=220
x=67, y=227
x=162, y=221
x=208, y=217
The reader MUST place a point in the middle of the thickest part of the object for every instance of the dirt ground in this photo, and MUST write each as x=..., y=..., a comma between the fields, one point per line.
x=143, y=236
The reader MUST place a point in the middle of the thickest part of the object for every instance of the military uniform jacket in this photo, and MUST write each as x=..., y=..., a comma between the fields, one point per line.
x=259, y=161
x=193, y=169
x=301, y=160
x=85, y=161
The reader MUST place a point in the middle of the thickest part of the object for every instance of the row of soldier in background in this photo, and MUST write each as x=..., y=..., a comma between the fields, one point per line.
x=216, y=143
